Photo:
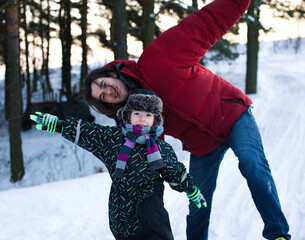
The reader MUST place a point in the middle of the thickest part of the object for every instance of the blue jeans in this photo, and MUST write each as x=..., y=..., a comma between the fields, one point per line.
x=246, y=143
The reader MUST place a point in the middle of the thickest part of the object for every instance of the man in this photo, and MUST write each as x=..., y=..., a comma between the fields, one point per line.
x=208, y=114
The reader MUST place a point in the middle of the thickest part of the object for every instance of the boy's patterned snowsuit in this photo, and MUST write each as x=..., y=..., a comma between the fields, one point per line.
x=138, y=183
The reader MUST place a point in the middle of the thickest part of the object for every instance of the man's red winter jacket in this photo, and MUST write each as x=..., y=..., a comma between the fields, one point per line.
x=200, y=108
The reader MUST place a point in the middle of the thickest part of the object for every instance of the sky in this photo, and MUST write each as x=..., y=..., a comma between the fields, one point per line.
x=64, y=193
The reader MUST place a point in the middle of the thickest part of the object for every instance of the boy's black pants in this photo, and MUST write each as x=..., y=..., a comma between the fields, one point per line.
x=154, y=219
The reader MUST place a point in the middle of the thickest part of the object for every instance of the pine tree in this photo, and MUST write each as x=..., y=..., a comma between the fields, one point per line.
x=13, y=90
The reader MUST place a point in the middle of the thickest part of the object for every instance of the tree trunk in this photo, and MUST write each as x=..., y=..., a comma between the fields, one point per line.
x=84, y=67
x=195, y=4
x=48, y=46
x=34, y=59
x=120, y=30
x=41, y=35
x=66, y=43
x=13, y=90
x=148, y=23
x=35, y=72
x=252, y=49
x=28, y=75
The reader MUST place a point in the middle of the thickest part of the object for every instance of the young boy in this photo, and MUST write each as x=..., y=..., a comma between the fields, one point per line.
x=138, y=164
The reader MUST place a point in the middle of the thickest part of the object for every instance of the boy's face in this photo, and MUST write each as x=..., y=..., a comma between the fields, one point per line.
x=109, y=90
x=141, y=118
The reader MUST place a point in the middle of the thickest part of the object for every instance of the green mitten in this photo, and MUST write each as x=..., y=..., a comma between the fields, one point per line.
x=195, y=195
x=47, y=122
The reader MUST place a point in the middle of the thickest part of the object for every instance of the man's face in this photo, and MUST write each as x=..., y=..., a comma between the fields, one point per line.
x=109, y=90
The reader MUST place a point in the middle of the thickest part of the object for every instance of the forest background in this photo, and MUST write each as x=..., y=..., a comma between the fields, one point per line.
x=38, y=36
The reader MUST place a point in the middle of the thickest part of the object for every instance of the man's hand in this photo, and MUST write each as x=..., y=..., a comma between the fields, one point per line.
x=196, y=196
x=47, y=122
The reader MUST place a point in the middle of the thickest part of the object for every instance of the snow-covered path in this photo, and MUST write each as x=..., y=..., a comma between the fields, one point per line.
x=77, y=209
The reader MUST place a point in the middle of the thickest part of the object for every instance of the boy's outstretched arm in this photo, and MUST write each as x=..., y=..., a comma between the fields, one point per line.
x=92, y=137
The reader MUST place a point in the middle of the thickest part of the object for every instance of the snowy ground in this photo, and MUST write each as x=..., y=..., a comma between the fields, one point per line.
x=64, y=196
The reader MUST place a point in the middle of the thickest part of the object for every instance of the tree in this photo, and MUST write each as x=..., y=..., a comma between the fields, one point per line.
x=119, y=30
x=148, y=22
x=84, y=66
x=2, y=30
x=44, y=29
x=252, y=46
x=127, y=18
x=13, y=90
x=33, y=29
x=48, y=31
x=195, y=4
x=66, y=43
x=35, y=23
x=282, y=9
x=23, y=24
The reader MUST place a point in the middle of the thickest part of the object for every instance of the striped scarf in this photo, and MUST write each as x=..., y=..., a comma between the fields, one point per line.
x=142, y=135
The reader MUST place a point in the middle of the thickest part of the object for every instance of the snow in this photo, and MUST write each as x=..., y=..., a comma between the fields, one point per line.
x=64, y=193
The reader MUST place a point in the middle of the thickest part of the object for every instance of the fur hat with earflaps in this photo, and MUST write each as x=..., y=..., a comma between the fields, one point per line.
x=142, y=100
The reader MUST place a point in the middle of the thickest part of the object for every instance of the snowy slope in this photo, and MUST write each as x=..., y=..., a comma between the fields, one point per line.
x=76, y=209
